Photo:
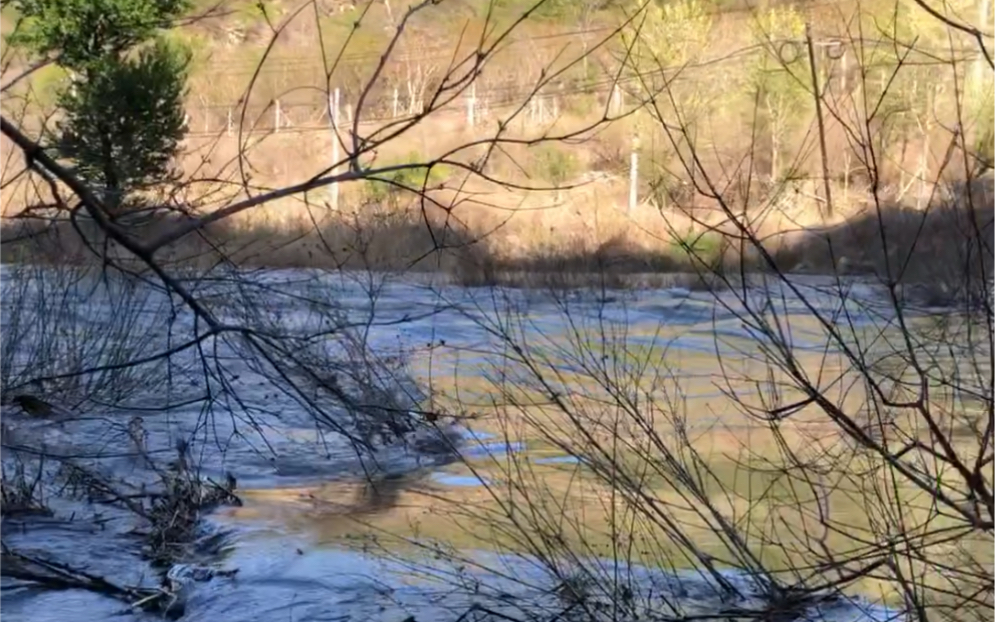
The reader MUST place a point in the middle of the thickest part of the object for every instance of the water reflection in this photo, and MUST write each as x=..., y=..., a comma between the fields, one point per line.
x=304, y=487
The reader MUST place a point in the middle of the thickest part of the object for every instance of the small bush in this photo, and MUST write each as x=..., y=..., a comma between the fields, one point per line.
x=554, y=164
x=704, y=247
x=21, y=492
x=387, y=189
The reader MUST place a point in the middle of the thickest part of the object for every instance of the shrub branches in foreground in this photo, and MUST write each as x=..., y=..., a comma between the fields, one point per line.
x=833, y=440
x=207, y=352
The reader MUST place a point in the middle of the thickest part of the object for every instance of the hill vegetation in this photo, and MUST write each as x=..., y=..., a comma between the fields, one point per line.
x=734, y=78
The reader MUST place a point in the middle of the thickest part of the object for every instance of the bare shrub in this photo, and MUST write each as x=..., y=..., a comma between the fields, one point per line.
x=830, y=444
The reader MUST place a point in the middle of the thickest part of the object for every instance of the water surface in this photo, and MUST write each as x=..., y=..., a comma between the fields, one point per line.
x=284, y=460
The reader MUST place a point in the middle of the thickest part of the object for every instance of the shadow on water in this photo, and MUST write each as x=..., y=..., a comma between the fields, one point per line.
x=295, y=582
x=289, y=576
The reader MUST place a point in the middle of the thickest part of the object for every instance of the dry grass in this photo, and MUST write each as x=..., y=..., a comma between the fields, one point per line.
x=506, y=235
x=585, y=238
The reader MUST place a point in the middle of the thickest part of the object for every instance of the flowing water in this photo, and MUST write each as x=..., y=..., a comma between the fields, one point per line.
x=286, y=569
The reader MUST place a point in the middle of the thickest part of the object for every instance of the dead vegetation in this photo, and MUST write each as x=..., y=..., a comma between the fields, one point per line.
x=926, y=249
x=761, y=153
x=167, y=511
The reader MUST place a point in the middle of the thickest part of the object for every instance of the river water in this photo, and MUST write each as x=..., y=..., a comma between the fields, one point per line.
x=286, y=570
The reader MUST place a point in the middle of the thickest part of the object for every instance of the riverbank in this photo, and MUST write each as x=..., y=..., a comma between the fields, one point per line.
x=940, y=253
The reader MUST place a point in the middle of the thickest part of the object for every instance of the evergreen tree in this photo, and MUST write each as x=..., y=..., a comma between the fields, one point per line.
x=121, y=116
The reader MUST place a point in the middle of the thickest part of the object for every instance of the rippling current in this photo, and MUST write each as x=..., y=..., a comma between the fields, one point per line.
x=285, y=572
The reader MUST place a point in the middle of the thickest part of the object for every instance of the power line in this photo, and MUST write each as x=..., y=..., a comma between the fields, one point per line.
x=504, y=96
x=435, y=53
x=586, y=84
x=423, y=59
x=430, y=55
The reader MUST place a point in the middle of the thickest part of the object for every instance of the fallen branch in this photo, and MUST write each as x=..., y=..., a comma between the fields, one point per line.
x=50, y=574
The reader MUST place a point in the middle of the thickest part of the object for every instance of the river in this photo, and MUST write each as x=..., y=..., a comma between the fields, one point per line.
x=288, y=567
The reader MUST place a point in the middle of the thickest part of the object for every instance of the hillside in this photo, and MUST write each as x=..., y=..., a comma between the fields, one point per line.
x=736, y=80
x=286, y=48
